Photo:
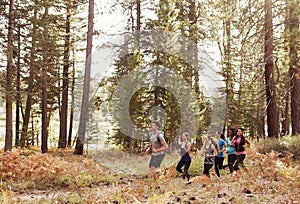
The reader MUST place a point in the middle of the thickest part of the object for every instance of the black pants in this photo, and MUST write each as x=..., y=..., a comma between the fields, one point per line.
x=231, y=160
x=186, y=164
x=206, y=169
x=239, y=162
x=218, y=165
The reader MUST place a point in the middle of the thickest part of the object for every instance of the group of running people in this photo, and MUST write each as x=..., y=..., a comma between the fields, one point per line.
x=213, y=150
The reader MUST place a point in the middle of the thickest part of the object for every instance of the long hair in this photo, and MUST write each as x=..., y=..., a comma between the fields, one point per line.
x=240, y=128
x=233, y=130
x=222, y=136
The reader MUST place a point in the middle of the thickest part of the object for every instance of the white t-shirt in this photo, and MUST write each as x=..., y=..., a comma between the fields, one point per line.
x=155, y=143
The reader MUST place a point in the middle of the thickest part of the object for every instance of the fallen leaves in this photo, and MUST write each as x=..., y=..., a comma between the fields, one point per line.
x=168, y=174
x=6, y=197
x=45, y=170
x=201, y=179
x=270, y=178
x=247, y=191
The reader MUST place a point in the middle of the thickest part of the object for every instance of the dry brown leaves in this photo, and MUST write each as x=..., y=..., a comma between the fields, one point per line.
x=201, y=179
x=168, y=174
x=271, y=174
x=268, y=177
x=24, y=164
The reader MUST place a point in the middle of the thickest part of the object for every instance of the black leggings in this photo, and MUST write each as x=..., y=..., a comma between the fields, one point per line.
x=231, y=160
x=239, y=162
x=218, y=165
x=206, y=169
x=186, y=164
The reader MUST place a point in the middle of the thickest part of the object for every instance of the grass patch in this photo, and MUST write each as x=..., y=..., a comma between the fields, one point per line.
x=65, y=181
x=196, y=167
x=130, y=164
x=73, y=198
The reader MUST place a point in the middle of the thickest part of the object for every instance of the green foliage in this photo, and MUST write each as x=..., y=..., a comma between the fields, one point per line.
x=173, y=16
x=196, y=167
x=109, y=179
x=84, y=180
x=73, y=198
x=64, y=181
x=31, y=185
x=119, y=198
x=237, y=30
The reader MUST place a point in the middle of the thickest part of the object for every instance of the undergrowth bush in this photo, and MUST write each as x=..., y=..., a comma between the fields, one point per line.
x=284, y=145
x=22, y=169
x=293, y=145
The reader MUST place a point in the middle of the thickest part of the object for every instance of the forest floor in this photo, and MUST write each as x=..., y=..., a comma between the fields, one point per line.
x=27, y=176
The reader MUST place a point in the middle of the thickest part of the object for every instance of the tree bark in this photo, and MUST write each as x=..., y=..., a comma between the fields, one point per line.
x=62, y=142
x=44, y=146
x=72, y=104
x=30, y=82
x=294, y=68
x=137, y=33
x=86, y=84
x=32, y=130
x=229, y=118
x=272, y=110
x=193, y=35
x=138, y=15
x=18, y=89
x=9, y=79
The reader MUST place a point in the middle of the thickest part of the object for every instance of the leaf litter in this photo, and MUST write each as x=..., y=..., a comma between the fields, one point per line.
x=59, y=176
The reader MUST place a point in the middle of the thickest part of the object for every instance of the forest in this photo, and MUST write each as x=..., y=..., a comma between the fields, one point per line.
x=82, y=80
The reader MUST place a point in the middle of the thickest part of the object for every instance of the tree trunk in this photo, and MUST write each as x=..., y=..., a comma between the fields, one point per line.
x=131, y=141
x=86, y=84
x=9, y=79
x=32, y=130
x=229, y=77
x=227, y=70
x=285, y=114
x=138, y=15
x=272, y=110
x=30, y=82
x=137, y=32
x=193, y=35
x=18, y=89
x=285, y=123
x=62, y=142
x=44, y=146
x=294, y=68
x=72, y=104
